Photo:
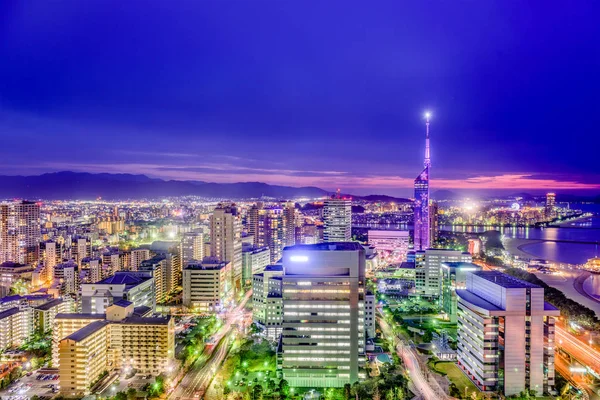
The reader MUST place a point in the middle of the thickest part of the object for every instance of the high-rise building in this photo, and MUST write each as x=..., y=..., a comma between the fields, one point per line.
x=226, y=240
x=307, y=234
x=549, y=212
x=81, y=248
x=505, y=334
x=391, y=246
x=474, y=247
x=323, y=328
x=192, y=247
x=289, y=223
x=68, y=275
x=422, y=221
x=87, y=345
x=160, y=267
x=267, y=306
x=207, y=284
x=252, y=221
x=136, y=258
x=337, y=218
x=271, y=232
x=434, y=224
x=428, y=273
x=20, y=232
x=50, y=254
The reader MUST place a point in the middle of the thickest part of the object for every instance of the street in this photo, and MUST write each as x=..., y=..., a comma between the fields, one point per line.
x=411, y=362
x=195, y=383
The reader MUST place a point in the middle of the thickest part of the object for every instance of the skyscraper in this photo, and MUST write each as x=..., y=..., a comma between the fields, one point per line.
x=20, y=232
x=323, y=332
x=271, y=231
x=550, y=203
x=337, y=216
x=422, y=222
x=226, y=240
x=192, y=247
x=289, y=223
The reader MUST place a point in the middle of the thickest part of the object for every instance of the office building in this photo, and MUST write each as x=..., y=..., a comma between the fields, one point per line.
x=254, y=260
x=192, y=247
x=422, y=220
x=207, y=285
x=20, y=232
x=50, y=254
x=123, y=338
x=428, y=274
x=337, y=219
x=454, y=277
x=549, y=209
x=307, y=234
x=391, y=246
x=323, y=328
x=11, y=272
x=267, y=303
x=505, y=334
x=135, y=287
x=226, y=240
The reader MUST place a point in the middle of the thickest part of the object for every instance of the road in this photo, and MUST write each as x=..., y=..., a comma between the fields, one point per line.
x=410, y=359
x=583, y=353
x=196, y=381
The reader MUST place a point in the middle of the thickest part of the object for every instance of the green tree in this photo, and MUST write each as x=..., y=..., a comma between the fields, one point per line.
x=257, y=392
x=120, y=396
x=131, y=394
x=284, y=387
x=427, y=336
x=347, y=391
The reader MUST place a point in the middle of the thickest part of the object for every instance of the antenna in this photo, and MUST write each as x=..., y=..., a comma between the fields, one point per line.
x=427, y=154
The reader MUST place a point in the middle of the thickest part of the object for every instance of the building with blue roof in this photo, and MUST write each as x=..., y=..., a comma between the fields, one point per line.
x=135, y=287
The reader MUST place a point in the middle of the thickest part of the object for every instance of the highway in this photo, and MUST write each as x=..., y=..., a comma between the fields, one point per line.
x=195, y=383
x=409, y=358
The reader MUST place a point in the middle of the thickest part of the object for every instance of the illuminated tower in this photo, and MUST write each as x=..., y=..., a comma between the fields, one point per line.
x=422, y=223
x=550, y=204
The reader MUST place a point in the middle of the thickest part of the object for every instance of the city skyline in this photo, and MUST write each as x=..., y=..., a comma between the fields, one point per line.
x=289, y=103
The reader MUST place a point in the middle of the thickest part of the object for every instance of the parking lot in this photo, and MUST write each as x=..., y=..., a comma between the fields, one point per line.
x=36, y=384
x=136, y=382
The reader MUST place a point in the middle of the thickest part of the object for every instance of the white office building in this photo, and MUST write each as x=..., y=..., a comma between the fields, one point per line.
x=323, y=328
x=337, y=217
x=505, y=334
x=428, y=269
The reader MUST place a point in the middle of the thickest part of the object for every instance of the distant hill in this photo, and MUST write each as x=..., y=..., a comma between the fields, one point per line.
x=86, y=186
x=384, y=198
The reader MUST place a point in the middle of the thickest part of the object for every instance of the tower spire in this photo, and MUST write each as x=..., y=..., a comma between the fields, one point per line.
x=427, y=155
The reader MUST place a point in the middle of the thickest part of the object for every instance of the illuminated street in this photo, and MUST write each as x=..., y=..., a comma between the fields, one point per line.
x=195, y=383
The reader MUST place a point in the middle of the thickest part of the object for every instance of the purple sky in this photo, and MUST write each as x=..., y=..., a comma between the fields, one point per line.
x=304, y=93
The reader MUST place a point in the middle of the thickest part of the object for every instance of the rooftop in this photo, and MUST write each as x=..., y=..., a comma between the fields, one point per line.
x=123, y=278
x=79, y=316
x=506, y=281
x=204, y=265
x=135, y=320
x=87, y=331
x=275, y=267
x=49, y=305
x=9, y=312
x=327, y=246
x=122, y=303
x=461, y=265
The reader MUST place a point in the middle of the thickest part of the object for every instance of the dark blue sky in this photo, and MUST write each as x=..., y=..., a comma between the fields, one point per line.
x=300, y=93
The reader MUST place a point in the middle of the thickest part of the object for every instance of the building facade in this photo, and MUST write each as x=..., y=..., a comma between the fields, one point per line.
x=207, y=285
x=337, y=219
x=428, y=271
x=422, y=221
x=505, y=334
x=226, y=240
x=391, y=246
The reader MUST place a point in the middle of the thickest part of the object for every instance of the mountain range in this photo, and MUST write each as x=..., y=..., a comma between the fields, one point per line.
x=87, y=186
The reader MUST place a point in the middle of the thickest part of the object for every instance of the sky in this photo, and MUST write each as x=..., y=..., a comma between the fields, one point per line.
x=304, y=93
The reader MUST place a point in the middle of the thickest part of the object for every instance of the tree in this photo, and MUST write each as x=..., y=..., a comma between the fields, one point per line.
x=284, y=387
x=131, y=394
x=257, y=392
x=120, y=396
x=427, y=336
x=347, y=391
